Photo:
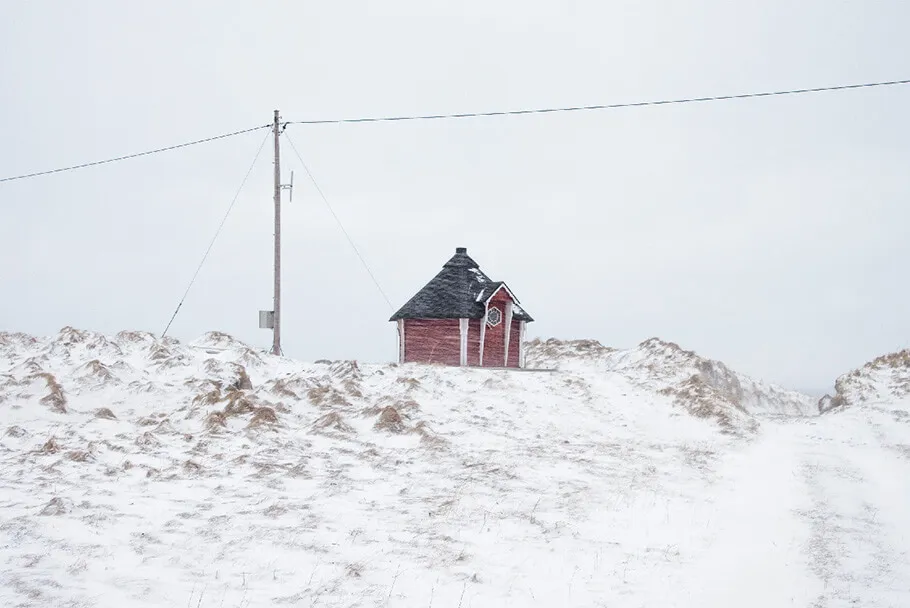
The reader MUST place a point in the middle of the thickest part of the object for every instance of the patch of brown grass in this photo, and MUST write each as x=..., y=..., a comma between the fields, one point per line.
x=280, y=388
x=55, y=399
x=50, y=447
x=345, y=370
x=238, y=403
x=147, y=440
x=333, y=421
x=191, y=467
x=352, y=389
x=703, y=401
x=134, y=336
x=403, y=406
x=390, y=420
x=79, y=455
x=828, y=403
x=99, y=370
x=263, y=417
x=898, y=359
x=410, y=383
x=326, y=396
x=105, y=413
x=208, y=398
x=215, y=421
x=157, y=352
x=428, y=436
x=242, y=382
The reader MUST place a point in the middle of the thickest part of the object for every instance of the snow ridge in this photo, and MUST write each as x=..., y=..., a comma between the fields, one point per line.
x=704, y=387
x=883, y=380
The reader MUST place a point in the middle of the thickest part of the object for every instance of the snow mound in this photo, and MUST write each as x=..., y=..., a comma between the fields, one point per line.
x=885, y=379
x=146, y=472
x=704, y=387
x=219, y=340
x=552, y=352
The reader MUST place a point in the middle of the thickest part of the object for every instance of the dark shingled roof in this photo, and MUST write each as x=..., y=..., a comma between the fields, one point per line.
x=459, y=291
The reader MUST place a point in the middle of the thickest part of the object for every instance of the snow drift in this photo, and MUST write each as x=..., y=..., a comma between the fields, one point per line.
x=704, y=387
x=138, y=471
x=884, y=380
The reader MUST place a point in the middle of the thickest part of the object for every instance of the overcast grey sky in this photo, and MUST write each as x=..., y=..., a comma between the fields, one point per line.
x=769, y=233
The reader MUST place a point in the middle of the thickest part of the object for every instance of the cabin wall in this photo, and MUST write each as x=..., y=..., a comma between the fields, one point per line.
x=515, y=344
x=494, y=342
x=433, y=341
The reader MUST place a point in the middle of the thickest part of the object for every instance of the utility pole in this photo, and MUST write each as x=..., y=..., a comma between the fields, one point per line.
x=271, y=319
x=276, y=327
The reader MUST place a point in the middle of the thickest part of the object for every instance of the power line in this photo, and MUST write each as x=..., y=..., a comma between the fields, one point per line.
x=217, y=232
x=136, y=155
x=610, y=106
x=340, y=225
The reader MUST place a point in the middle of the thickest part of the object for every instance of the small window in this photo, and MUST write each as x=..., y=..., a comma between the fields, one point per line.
x=494, y=317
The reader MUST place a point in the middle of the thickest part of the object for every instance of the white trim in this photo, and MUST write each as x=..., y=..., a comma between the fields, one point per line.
x=463, y=330
x=508, y=332
x=521, y=344
x=508, y=291
x=401, y=340
x=483, y=334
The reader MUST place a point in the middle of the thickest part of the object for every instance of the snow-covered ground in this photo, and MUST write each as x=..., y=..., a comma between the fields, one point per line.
x=143, y=472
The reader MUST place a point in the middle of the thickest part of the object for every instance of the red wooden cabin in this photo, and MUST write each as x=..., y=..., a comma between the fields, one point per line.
x=462, y=317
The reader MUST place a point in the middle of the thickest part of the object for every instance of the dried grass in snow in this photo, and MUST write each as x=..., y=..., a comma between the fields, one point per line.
x=55, y=398
x=390, y=420
x=215, y=421
x=263, y=417
x=333, y=421
x=105, y=413
x=56, y=506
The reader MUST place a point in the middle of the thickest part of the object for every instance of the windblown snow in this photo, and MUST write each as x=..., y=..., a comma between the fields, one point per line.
x=138, y=471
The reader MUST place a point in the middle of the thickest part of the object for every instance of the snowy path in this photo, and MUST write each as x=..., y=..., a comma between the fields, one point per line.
x=814, y=513
x=755, y=554
x=857, y=470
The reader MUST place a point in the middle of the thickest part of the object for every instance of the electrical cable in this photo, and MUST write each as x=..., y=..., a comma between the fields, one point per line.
x=217, y=232
x=609, y=106
x=136, y=155
x=340, y=224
